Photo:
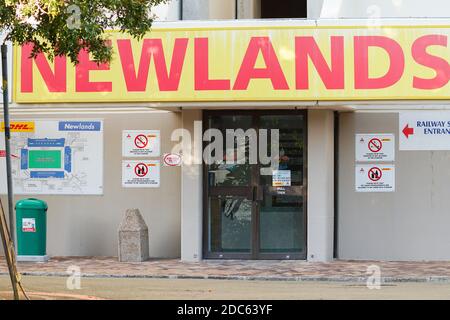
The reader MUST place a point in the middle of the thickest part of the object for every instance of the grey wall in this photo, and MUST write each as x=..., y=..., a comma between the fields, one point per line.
x=87, y=225
x=411, y=223
x=195, y=9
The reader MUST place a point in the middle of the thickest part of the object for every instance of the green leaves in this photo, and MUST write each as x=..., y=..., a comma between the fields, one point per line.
x=65, y=27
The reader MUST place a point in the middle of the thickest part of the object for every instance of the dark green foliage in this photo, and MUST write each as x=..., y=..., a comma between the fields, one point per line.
x=60, y=27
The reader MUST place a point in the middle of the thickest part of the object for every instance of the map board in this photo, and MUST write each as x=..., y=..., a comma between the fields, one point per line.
x=54, y=157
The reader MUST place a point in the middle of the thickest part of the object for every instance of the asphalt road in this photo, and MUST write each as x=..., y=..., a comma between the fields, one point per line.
x=109, y=288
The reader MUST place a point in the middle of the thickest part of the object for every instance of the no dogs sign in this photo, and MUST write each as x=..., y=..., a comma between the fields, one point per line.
x=374, y=147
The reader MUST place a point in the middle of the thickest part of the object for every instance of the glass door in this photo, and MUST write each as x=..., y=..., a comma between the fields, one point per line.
x=254, y=209
x=281, y=209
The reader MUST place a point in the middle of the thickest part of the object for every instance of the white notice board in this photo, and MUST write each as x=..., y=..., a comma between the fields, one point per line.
x=55, y=157
x=140, y=173
x=375, y=178
x=141, y=143
x=424, y=130
x=374, y=147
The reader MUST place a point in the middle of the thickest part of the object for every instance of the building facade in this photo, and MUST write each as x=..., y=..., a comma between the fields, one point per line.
x=353, y=98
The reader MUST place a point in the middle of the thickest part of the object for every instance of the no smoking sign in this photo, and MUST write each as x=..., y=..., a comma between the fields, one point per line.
x=141, y=143
x=374, y=147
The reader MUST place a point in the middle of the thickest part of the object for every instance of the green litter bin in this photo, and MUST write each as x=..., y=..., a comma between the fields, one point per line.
x=31, y=226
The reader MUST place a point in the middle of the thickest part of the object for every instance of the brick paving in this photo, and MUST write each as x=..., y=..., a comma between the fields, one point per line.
x=338, y=270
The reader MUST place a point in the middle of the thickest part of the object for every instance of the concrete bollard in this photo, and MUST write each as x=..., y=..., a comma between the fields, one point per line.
x=133, y=238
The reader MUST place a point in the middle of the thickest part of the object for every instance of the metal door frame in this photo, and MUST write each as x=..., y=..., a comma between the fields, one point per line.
x=255, y=246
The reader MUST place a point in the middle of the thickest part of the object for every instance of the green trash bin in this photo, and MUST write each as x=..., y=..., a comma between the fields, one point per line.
x=31, y=226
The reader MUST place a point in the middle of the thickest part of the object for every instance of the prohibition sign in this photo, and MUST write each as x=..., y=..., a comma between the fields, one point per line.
x=141, y=170
x=375, y=145
x=375, y=174
x=141, y=141
x=172, y=160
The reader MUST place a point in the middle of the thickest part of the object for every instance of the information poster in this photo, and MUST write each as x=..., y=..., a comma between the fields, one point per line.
x=375, y=178
x=374, y=147
x=281, y=178
x=56, y=157
x=140, y=174
x=424, y=130
x=141, y=143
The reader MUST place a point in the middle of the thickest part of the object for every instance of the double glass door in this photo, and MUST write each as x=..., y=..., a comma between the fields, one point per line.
x=255, y=208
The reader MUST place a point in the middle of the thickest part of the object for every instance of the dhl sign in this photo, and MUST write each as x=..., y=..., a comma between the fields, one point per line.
x=259, y=63
x=19, y=126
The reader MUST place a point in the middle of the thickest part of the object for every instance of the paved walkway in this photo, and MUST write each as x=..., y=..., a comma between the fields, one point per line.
x=239, y=270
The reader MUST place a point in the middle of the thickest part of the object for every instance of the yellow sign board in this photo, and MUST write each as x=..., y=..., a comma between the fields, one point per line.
x=248, y=64
x=19, y=126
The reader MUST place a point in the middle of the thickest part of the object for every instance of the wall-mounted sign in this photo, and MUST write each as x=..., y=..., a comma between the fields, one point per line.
x=57, y=157
x=172, y=159
x=281, y=178
x=374, y=147
x=140, y=174
x=141, y=143
x=260, y=62
x=375, y=178
x=424, y=130
x=28, y=225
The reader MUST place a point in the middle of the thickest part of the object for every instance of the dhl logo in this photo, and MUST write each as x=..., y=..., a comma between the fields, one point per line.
x=19, y=126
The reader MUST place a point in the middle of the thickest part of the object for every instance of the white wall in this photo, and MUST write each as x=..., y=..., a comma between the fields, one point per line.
x=88, y=225
x=381, y=8
x=192, y=188
x=209, y=9
x=320, y=185
x=170, y=11
x=409, y=224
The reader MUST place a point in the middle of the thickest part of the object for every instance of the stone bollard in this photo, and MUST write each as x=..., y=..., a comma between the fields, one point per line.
x=133, y=238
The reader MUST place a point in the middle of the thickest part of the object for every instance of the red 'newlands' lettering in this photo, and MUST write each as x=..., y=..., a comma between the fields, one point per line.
x=333, y=77
x=54, y=80
x=310, y=59
x=82, y=69
x=201, y=72
x=272, y=71
x=396, y=58
x=167, y=81
x=439, y=65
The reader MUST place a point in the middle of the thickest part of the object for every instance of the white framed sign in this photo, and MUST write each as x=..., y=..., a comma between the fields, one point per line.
x=140, y=173
x=281, y=178
x=55, y=156
x=375, y=147
x=424, y=130
x=141, y=143
x=374, y=178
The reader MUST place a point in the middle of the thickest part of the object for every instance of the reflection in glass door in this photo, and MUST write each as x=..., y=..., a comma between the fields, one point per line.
x=255, y=210
x=281, y=211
